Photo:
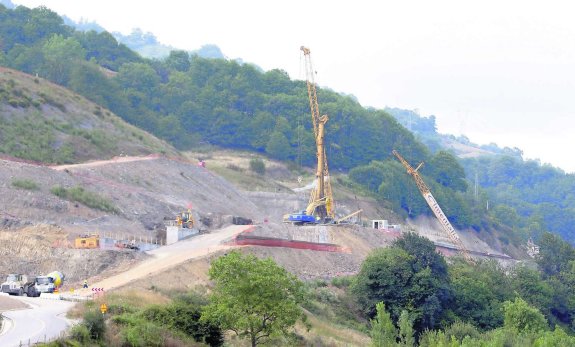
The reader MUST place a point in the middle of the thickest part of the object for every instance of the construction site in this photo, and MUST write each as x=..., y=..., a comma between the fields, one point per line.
x=160, y=201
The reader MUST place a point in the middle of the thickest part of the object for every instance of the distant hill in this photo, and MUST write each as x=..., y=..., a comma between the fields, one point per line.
x=426, y=131
x=43, y=122
x=145, y=43
x=8, y=4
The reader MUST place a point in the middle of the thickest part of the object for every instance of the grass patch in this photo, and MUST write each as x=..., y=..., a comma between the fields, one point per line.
x=84, y=197
x=333, y=305
x=25, y=184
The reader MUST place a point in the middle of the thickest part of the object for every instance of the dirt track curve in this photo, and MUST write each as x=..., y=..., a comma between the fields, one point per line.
x=169, y=256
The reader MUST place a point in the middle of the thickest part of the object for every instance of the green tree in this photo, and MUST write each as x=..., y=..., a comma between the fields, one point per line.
x=258, y=166
x=521, y=317
x=61, y=53
x=555, y=254
x=447, y=171
x=383, y=333
x=254, y=298
x=406, y=329
x=278, y=146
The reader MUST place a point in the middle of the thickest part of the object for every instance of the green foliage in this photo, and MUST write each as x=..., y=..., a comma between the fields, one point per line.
x=405, y=324
x=521, y=317
x=478, y=293
x=383, y=333
x=405, y=278
x=447, y=171
x=460, y=330
x=254, y=298
x=555, y=254
x=94, y=322
x=80, y=333
x=258, y=166
x=25, y=184
x=557, y=337
x=185, y=317
x=534, y=191
x=85, y=197
x=143, y=334
x=342, y=281
x=32, y=138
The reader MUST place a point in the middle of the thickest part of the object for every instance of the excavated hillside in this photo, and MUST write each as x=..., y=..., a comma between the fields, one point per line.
x=144, y=192
x=123, y=187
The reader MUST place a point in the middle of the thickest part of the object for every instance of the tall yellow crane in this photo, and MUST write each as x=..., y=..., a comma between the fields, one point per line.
x=321, y=205
x=323, y=191
x=447, y=227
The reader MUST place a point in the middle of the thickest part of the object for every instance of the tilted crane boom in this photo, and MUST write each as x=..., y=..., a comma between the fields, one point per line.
x=434, y=206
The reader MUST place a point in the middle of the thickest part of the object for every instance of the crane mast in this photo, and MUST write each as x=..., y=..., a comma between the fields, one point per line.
x=437, y=211
x=322, y=193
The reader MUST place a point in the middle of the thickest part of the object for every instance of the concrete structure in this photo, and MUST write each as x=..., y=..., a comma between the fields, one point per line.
x=379, y=224
x=175, y=233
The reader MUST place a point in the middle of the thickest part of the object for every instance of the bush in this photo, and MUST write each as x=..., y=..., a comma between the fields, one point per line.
x=85, y=197
x=258, y=166
x=459, y=330
x=94, y=322
x=146, y=334
x=342, y=282
x=25, y=184
x=235, y=167
x=80, y=333
x=185, y=318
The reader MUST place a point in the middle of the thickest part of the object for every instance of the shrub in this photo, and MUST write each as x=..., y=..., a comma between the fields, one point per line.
x=185, y=318
x=94, y=322
x=80, y=333
x=25, y=184
x=146, y=334
x=235, y=167
x=342, y=282
x=85, y=197
x=459, y=330
x=258, y=166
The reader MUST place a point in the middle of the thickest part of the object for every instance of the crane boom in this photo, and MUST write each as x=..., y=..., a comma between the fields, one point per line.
x=323, y=189
x=311, y=90
x=437, y=211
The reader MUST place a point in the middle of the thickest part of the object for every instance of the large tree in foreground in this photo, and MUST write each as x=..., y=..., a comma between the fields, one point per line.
x=255, y=298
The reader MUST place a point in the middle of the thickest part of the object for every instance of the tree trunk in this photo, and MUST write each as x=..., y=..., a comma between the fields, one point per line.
x=254, y=341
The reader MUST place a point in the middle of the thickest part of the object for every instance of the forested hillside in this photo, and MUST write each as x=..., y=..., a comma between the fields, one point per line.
x=190, y=101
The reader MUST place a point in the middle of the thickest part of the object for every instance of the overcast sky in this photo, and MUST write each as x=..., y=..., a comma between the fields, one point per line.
x=496, y=71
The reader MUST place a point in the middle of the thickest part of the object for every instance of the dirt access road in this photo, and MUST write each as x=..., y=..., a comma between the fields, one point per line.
x=115, y=160
x=169, y=256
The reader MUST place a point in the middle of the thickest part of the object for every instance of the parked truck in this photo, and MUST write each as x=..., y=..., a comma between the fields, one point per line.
x=49, y=283
x=18, y=284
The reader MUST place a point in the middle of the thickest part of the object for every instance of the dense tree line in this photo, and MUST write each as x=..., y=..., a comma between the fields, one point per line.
x=189, y=100
x=411, y=279
x=529, y=197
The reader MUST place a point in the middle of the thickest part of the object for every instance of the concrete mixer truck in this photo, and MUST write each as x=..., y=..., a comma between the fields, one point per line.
x=49, y=283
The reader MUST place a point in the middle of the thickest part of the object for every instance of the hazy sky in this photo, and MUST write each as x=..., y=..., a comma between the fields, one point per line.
x=496, y=71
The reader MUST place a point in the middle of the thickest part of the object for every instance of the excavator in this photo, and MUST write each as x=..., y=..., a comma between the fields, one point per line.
x=437, y=211
x=185, y=219
x=320, y=208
